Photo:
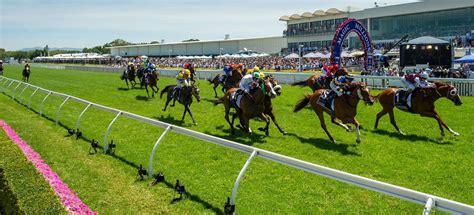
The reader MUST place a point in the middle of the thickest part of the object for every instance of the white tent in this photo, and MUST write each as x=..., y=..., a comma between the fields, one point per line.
x=310, y=55
x=357, y=53
x=292, y=55
x=345, y=54
x=326, y=56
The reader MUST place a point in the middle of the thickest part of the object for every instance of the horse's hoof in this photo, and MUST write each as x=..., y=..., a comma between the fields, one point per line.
x=358, y=141
x=456, y=134
x=333, y=141
x=267, y=133
x=402, y=133
x=195, y=123
x=284, y=132
x=442, y=134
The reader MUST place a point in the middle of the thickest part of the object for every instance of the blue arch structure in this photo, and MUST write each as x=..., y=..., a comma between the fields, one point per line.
x=348, y=26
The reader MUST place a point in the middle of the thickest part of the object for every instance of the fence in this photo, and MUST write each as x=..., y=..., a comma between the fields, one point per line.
x=465, y=86
x=429, y=201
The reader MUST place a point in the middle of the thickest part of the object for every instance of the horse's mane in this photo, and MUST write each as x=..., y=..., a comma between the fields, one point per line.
x=440, y=84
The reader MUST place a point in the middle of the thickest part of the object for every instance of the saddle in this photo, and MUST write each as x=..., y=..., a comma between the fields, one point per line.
x=326, y=100
x=403, y=99
x=236, y=97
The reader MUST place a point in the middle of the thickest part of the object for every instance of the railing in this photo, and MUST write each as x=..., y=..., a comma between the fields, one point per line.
x=429, y=201
x=465, y=86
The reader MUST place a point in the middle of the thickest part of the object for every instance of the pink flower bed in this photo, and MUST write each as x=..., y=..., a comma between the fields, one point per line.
x=68, y=198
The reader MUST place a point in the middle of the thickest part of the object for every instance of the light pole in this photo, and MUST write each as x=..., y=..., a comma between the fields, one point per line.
x=300, y=69
x=169, y=53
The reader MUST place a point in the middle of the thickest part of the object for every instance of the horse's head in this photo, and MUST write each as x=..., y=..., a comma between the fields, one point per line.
x=276, y=87
x=195, y=91
x=268, y=88
x=448, y=91
x=341, y=71
x=362, y=92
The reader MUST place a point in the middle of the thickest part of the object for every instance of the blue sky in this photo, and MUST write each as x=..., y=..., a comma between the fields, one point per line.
x=87, y=23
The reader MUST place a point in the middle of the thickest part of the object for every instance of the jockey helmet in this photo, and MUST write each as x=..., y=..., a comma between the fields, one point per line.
x=187, y=72
x=180, y=75
x=330, y=68
x=325, y=68
x=130, y=63
x=187, y=66
x=424, y=75
x=256, y=69
x=335, y=67
x=262, y=75
x=227, y=69
x=255, y=75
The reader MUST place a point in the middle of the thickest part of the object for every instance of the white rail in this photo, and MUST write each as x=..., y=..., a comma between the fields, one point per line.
x=426, y=200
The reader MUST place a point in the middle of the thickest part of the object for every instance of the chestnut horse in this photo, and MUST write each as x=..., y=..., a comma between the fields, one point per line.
x=423, y=103
x=312, y=82
x=268, y=103
x=231, y=82
x=251, y=105
x=345, y=107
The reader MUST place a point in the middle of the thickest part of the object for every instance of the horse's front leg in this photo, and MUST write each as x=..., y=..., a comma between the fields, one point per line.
x=215, y=92
x=148, y=94
x=187, y=107
x=168, y=99
x=126, y=82
x=266, y=120
x=184, y=113
x=441, y=124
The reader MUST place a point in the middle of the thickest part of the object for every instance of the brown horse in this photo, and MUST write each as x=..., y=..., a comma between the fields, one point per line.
x=268, y=103
x=129, y=76
x=151, y=81
x=231, y=82
x=312, y=82
x=345, y=107
x=185, y=98
x=422, y=103
x=251, y=105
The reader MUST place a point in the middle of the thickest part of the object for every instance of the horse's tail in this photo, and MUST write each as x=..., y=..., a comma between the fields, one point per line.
x=302, y=103
x=219, y=101
x=164, y=90
x=301, y=84
x=211, y=81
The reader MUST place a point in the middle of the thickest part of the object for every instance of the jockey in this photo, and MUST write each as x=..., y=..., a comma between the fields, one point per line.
x=227, y=73
x=262, y=76
x=340, y=84
x=249, y=82
x=413, y=81
x=183, y=79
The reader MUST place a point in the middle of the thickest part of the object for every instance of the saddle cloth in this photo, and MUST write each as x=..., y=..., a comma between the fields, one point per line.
x=236, y=97
x=403, y=99
x=326, y=100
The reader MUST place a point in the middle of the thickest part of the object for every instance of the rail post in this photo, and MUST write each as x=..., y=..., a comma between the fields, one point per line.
x=78, y=122
x=14, y=90
x=430, y=203
x=42, y=103
x=106, y=146
x=152, y=155
x=237, y=181
x=58, y=111
x=31, y=96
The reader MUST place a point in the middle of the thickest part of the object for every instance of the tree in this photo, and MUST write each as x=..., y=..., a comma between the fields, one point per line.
x=154, y=42
x=190, y=40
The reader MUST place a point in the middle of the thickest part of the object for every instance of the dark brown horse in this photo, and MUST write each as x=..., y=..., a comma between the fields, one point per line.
x=423, y=103
x=151, y=80
x=345, y=107
x=231, y=82
x=26, y=73
x=313, y=83
x=251, y=105
x=185, y=98
x=129, y=75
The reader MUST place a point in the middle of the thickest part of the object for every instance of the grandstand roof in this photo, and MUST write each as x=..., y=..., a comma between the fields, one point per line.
x=318, y=13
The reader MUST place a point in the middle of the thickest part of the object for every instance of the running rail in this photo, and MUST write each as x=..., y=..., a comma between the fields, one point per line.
x=426, y=200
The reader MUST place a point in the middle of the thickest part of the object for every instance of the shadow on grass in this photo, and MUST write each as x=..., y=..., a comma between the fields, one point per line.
x=195, y=198
x=210, y=100
x=142, y=98
x=325, y=144
x=171, y=120
x=239, y=136
x=410, y=137
x=123, y=89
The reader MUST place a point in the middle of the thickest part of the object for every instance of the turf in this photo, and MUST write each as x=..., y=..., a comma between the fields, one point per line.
x=32, y=193
x=422, y=160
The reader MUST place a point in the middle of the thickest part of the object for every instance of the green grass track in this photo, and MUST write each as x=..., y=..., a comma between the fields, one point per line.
x=422, y=160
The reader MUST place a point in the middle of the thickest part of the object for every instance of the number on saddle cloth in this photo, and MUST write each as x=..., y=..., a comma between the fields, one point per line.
x=326, y=100
x=403, y=99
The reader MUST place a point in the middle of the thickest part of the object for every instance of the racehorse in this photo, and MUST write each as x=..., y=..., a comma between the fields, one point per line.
x=268, y=102
x=140, y=73
x=345, y=107
x=231, y=82
x=151, y=80
x=251, y=105
x=185, y=98
x=26, y=73
x=315, y=83
x=423, y=103
x=129, y=75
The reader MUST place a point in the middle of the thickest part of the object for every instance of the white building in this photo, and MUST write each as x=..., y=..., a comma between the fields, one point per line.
x=270, y=45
